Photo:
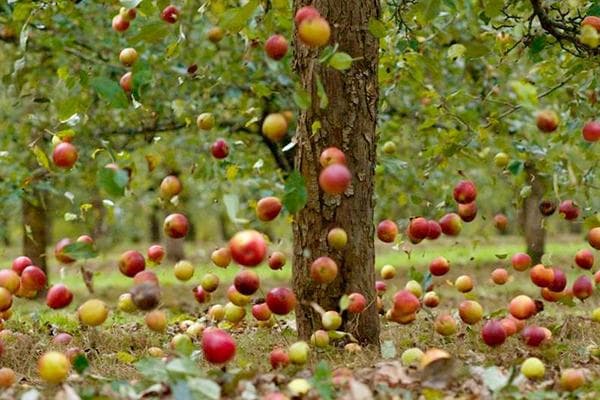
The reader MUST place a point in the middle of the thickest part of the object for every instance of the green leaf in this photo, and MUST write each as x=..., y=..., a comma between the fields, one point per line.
x=388, y=349
x=301, y=98
x=113, y=182
x=235, y=19
x=501, y=256
x=295, y=196
x=183, y=367
x=80, y=250
x=344, y=302
x=377, y=28
x=456, y=50
x=536, y=46
x=415, y=275
x=427, y=11
x=125, y=357
x=152, y=369
x=516, y=167
x=341, y=61
x=232, y=206
x=426, y=280
x=110, y=91
x=142, y=76
x=324, y=100
x=80, y=363
x=526, y=93
x=493, y=8
x=594, y=10
x=181, y=391
x=494, y=378
x=204, y=389
x=154, y=32
x=130, y=3
x=322, y=382
x=41, y=157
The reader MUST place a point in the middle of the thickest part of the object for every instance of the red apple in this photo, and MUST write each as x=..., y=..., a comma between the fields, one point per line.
x=451, y=224
x=33, y=278
x=435, y=230
x=405, y=302
x=439, y=266
x=335, y=179
x=493, y=333
x=6, y=299
x=20, y=263
x=591, y=131
x=470, y=312
x=248, y=248
x=465, y=192
x=59, y=296
x=431, y=299
x=380, y=287
x=246, y=282
x=201, y=295
x=323, y=270
x=522, y=307
x=218, y=346
x=131, y=262
x=356, y=303
x=268, y=208
x=593, y=237
x=314, y=32
x=279, y=358
x=584, y=259
x=547, y=207
x=64, y=155
x=126, y=82
x=387, y=231
x=541, y=276
x=464, y=283
x=501, y=222
x=261, y=312
x=237, y=298
x=305, y=12
x=176, y=226
x=569, y=210
x=468, y=211
x=332, y=155
x=156, y=253
x=145, y=276
x=59, y=251
x=119, y=24
x=533, y=335
x=276, y=47
x=219, y=149
x=281, y=300
x=521, y=261
x=499, y=276
x=10, y=280
x=583, y=288
x=170, y=14
x=547, y=121
x=559, y=283
x=276, y=260
x=445, y=324
x=593, y=21
x=418, y=228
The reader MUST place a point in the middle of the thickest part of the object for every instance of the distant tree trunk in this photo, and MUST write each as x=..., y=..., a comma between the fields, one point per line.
x=99, y=218
x=532, y=219
x=349, y=123
x=174, y=249
x=155, y=224
x=35, y=227
x=5, y=232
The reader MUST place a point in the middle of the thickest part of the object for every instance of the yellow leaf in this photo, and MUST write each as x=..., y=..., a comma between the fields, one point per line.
x=232, y=172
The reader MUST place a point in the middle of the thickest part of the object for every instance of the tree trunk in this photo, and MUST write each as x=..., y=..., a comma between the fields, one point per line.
x=174, y=249
x=155, y=227
x=532, y=220
x=35, y=228
x=349, y=122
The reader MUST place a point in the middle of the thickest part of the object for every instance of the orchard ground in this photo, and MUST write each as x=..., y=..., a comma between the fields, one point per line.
x=113, y=348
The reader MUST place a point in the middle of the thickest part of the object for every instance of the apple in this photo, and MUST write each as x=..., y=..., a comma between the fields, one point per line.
x=559, y=283
x=464, y=283
x=387, y=231
x=181, y=343
x=234, y=313
x=216, y=312
x=572, y=379
x=299, y=352
x=501, y=222
x=356, y=303
x=145, y=276
x=20, y=263
x=156, y=320
x=593, y=237
x=583, y=258
x=10, y=280
x=6, y=299
x=131, y=262
x=54, y=367
x=170, y=186
x=306, y=12
x=388, y=272
x=126, y=82
x=335, y=179
x=93, y=312
x=465, y=192
x=547, y=207
x=547, y=121
x=331, y=320
x=414, y=287
x=276, y=47
x=219, y=149
x=470, y=312
x=591, y=131
x=533, y=335
x=522, y=307
x=380, y=287
x=183, y=270
x=411, y=356
x=467, y=212
x=406, y=302
x=583, y=288
x=119, y=24
x=509, y=325
x=248, y=248
x=314, y=32
x=237, y=298
x=435, y=230
x=268, y=208
x=275, y=126
x=431, y=299
x=218, y=346
x=551, y=296
x=209, y=282
x=145, y=296
x=439, y=266
x=170, y=14
x=319, y=338
x=205, y=121
x=281, y=300
x=201, y=295
x=276, y=260
x=499, y=276
x=398, y=317
x=33, y=278
x=246, y=282
x=521, y=261
x=128, y=56
x=7, y=377
x=445, y=325
x=418, y=228
x=261, y=312
x=221, y=257
x=592, y=21
x=59, y=252
x=215, y=34
x=493, y=333
x=533, y=368
x=59, y=296
x=195, y=330
x=432, y=355
x=337, y=238
x=569, y=210
x=156, y=253
x=501, y=160
x=125, y=303
x=176, y=226
x=279, y=358
x=451, y=224
x=64, y=155
x=330, y=156
x=541, y=276
x=323, y=270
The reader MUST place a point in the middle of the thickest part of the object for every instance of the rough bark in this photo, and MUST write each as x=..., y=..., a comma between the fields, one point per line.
x=532, y=220
x=35, y=228
x=349, y=123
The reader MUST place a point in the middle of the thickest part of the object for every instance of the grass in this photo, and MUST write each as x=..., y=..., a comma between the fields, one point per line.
x=123, y=339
